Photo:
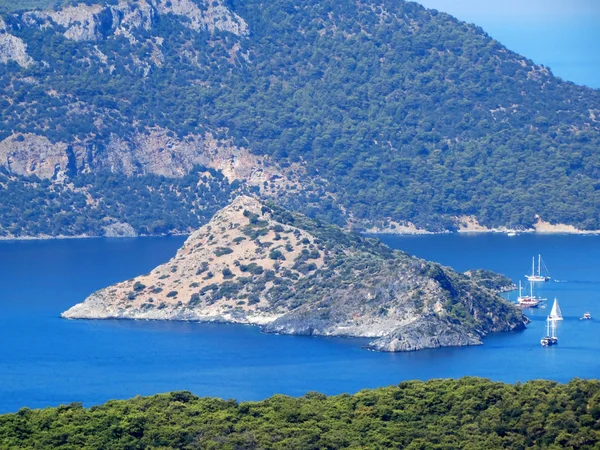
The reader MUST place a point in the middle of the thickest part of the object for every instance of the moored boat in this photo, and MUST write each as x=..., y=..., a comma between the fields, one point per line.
x=528, y=301
x=536, y=276
x=586, y=316
x=550, y=338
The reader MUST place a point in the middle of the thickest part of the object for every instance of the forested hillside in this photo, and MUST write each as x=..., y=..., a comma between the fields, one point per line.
x=385, y=110
x=469, y=413
x=21, y=5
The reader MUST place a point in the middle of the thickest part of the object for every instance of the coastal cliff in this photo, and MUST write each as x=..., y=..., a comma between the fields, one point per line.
x=255, y=263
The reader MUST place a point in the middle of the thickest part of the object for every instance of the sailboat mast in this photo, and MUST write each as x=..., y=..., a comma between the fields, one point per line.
x=520, y=289
x=539, y=264
x=533, y=266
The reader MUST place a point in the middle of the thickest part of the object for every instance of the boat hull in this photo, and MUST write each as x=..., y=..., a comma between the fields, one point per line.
x=547, y=341
x=536, y=279
x=528, y=305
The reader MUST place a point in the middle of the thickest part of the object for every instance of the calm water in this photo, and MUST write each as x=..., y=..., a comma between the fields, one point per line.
x=45, y=360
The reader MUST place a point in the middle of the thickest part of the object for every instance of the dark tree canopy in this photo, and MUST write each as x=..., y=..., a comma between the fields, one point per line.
x=469, y=413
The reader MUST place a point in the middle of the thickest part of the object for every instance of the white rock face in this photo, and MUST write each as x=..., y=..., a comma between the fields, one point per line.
x=132, y=15
x=157, y=152
x=12, y=48
x=160, y=152
x=31, y=154
x=119, y=230
x=212, y=16
x=91, y=23
x=80, y=21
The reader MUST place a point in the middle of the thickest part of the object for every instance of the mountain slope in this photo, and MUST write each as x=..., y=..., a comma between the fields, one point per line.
x=375, y=112
x=260, y=264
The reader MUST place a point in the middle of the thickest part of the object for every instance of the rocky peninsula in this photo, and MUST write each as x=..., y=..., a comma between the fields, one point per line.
x=257, y=263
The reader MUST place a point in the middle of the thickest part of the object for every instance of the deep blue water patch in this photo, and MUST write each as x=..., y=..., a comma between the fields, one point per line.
x=45, y=360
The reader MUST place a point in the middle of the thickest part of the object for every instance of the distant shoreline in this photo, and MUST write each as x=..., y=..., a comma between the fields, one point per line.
x=470, y=225
x=482, y=232
x=58, y=238
x=370, y=232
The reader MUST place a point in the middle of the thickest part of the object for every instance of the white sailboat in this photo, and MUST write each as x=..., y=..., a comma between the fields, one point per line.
x=537, y=276
x=556, y=313
x=551, y=338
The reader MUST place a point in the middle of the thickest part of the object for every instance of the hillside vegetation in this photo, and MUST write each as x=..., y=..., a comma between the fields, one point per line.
x=28, y=5
x=12, y=5
x=150, y=204
x=469, y=413
x=400, y=113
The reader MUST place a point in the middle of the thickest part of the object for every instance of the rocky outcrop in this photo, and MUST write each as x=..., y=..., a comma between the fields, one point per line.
x=30, y=154
x=119, y=229
x=157, y=151
x=213, y=15
x=426, y=332
x=81, y=23
x=161, y=152
x=12, y=48
x=259, y=264
x=93, y=22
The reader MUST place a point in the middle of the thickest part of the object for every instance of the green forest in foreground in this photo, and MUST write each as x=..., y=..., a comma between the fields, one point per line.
x=469, y=413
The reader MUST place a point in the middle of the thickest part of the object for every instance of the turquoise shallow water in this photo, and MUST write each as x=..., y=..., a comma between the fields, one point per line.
x=45, y=360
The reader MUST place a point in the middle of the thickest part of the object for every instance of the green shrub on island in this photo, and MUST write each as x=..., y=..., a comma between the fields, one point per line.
x=220, y=251
x=253, y=268
x=469, y=413
x=276, y=254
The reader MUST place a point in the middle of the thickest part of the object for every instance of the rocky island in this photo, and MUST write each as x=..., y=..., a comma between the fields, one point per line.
x=256, y=263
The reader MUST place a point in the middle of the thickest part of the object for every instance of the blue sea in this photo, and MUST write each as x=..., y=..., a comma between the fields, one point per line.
x=46, y=361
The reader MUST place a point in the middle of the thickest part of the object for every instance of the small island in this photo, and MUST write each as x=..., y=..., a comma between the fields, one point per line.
x=256, y=263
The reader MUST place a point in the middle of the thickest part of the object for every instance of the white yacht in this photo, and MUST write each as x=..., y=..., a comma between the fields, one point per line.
x=537, y=276
x=551, y=338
